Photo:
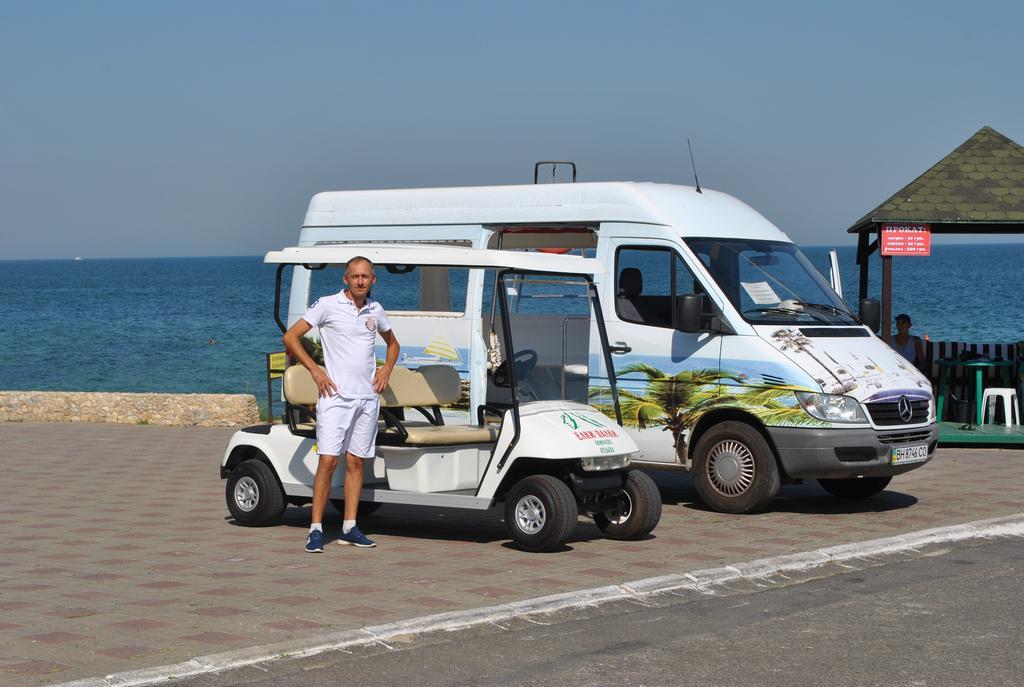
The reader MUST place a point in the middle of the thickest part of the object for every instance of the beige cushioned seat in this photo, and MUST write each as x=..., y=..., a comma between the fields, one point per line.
x=429, y=386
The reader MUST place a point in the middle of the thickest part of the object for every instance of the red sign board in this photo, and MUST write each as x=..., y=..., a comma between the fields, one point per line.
x=906, y=239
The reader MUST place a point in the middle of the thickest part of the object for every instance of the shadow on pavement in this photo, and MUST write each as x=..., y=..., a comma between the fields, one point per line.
x=677, y=489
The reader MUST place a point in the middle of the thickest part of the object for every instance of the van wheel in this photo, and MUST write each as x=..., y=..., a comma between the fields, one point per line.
x=734, y=469
x=364, y=508
x=637, y=512
x=255, y=497
x=854, y=488
x=540, y=513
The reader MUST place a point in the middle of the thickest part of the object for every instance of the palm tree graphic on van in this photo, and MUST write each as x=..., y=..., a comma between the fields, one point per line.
x=676, y=402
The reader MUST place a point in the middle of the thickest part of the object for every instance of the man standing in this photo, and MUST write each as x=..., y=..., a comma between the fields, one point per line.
x=346, y=413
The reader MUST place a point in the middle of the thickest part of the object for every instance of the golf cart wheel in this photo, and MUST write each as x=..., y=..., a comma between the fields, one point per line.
x=540, y=513
x=254, y=495
x=637, y=512
x=854, y=488
x=734, y=469
x=364, y=508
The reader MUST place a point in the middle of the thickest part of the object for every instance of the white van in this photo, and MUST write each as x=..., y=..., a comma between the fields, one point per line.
x=735, y=359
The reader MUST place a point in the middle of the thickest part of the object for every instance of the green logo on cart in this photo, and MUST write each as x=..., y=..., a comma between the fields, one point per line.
x=574, y=420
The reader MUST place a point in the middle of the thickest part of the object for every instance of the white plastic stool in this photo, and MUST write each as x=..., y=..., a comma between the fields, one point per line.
x=1010, y=410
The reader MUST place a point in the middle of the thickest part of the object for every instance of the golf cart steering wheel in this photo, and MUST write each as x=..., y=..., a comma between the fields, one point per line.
x=524, y=361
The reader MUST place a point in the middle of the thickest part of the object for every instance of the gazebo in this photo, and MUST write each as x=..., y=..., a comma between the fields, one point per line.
x=976, y=189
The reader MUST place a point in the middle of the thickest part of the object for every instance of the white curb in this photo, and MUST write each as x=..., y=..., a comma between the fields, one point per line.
x=703, y=581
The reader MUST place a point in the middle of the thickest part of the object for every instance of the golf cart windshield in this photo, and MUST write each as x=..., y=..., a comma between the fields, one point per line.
x=552, y=338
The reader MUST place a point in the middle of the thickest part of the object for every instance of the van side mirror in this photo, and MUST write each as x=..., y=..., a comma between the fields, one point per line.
x=870, y=313
x=689, y=313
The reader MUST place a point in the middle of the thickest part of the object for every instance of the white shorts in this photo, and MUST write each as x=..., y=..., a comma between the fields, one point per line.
x=347, y=425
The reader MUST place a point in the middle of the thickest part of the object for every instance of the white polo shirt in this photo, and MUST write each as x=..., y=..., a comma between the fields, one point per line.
x=348, y=337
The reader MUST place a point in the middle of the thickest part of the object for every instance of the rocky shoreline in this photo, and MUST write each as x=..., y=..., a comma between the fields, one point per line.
x=184, y=410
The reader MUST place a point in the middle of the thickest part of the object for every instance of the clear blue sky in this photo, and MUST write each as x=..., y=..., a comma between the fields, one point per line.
x=202, y=128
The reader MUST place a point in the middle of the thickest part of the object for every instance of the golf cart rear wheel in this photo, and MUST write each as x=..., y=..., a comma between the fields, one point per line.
x=540, y=513
x=254, y=495
x=855, y=488
x=734, y=469
x=637, y=510
x=364, y=509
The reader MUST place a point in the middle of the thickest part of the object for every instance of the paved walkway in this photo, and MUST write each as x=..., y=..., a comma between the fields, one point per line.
x=117, y=552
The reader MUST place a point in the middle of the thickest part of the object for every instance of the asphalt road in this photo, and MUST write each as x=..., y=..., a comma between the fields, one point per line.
x=942, y=617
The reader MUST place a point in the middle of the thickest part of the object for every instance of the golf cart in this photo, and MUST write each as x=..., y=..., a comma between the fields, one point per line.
x=529, y=441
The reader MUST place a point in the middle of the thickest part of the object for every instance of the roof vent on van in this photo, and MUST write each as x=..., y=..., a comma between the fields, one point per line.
x=556, y=177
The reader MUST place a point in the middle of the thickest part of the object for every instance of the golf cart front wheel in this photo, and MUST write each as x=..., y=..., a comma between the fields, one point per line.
x=255, y=497
x=637, y=509
x=540, y=513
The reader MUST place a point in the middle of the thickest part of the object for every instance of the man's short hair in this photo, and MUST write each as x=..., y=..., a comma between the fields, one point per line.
x=359, y=258
x=905, y=318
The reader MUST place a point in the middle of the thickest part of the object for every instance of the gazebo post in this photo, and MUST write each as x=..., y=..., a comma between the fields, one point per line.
x=886, y=298
x=862, y=261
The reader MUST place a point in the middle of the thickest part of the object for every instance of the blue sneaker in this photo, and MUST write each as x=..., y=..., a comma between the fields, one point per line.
x=315, y=542
x=356, y=538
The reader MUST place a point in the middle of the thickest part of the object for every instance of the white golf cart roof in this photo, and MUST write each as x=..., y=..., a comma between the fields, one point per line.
x=433, y=255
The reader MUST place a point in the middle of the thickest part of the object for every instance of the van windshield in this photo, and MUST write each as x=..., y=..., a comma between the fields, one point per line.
x=771, y=282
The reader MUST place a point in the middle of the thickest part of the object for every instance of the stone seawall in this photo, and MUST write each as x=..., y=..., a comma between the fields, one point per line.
x=189, y=410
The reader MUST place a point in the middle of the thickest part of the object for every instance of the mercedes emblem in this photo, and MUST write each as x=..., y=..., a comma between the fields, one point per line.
x=906, y=411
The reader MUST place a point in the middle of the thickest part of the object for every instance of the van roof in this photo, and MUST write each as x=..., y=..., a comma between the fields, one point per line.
x=709, y=213
x=443, y=256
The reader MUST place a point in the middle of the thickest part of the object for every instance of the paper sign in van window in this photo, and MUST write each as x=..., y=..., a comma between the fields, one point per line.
x=760, y=292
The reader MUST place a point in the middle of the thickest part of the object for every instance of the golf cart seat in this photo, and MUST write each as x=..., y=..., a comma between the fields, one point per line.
x=300, y=397
x=426, y=389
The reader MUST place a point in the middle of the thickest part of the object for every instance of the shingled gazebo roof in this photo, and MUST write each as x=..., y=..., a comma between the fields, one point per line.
x=976, y=189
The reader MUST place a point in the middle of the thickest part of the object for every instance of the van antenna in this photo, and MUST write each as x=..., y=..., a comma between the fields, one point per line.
x=696, y=181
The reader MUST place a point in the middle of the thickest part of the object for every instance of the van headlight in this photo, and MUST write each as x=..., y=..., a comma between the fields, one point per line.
x=595, y=463
x=831, y=408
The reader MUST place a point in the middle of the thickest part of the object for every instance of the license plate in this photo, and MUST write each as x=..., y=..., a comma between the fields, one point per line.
x=909, y=454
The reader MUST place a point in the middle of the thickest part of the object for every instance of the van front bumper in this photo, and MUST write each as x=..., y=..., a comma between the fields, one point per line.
x=837, y=453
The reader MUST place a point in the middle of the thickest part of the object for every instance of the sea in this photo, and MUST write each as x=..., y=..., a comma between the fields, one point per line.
x=205, y=325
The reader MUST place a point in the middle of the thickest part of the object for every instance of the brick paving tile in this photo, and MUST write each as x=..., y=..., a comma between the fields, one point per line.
x=152, y=603
x=489, y=591
x=213, y=637
x=430, y=602
x=163, y=584
x=294, y=624
x=127, y=651
x=292, y=600
x=223, y=591
x=479, y=572
x=13, y=605
x=602, y=573
x=72, y=612
x=359, y=589
x=219, y=611
x=34, y=667
x=365, y=612
x=101, y=577
x=59, y=637
x=140, y=624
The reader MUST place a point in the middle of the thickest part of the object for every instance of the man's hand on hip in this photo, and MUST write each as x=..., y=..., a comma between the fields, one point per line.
x=324, y=383
x=380, y=378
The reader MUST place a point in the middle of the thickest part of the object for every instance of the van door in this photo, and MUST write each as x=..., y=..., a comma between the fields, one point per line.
x=662, y=373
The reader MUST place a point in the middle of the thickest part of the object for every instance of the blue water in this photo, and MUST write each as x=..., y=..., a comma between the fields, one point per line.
x=145, y=324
